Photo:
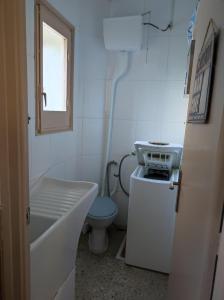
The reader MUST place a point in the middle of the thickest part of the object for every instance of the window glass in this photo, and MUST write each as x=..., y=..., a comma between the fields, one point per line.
x=54, y=70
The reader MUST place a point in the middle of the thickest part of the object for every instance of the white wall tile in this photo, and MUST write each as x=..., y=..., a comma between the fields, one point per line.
x=122, y=202
x=57, y=171
x=62, y=146
x=174, y=103
x=79, y=167
x=41, y=155
x=120, y=8
x=78, y=99
x=147, y=99
x=69, y=9
x=92, y=136
x=122, y=137
x=124, y=101
x=147, y=131
x=90, y=169
x=94, y=99
x=173, y=132
x=177, y=60
x=160, y=12
x=70, y=169
x=31, y=86
x=30, y=27
x=182, y=15
x=78, y=134
x=155, y=65
x=94, y=12
x=94, y=57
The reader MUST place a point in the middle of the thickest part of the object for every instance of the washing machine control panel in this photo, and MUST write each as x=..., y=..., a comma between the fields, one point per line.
x=158, y=159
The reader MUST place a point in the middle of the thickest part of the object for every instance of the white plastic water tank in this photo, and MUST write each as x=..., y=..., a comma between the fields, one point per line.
x=123, y=34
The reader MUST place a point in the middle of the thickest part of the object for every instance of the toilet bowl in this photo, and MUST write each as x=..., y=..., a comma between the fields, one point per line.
x=100, y=216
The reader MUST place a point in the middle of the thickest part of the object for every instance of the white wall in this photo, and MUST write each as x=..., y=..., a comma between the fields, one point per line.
x=77, y=154
x=92, y=89
x=150, y=104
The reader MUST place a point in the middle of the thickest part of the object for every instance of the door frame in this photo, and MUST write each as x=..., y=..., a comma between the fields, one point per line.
x=14, y=262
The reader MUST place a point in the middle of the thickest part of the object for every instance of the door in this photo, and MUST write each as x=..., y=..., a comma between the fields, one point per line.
x=14, y=249
x=218, y=292
x=201, y=198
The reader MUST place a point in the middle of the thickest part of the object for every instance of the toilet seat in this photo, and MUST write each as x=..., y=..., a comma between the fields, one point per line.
x=102, y=208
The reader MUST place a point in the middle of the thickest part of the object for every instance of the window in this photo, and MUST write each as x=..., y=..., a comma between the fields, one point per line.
x=54, y=70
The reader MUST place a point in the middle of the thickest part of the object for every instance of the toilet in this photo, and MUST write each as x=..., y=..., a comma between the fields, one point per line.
x=100, y=216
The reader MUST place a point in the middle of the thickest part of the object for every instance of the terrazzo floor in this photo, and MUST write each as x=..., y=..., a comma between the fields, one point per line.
x=104, y=277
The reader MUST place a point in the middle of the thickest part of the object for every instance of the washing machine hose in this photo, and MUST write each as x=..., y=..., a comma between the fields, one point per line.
x=119, y=173
x=111, y=163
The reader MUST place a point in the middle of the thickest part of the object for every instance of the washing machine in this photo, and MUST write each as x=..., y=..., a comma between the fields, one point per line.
x=152, y=206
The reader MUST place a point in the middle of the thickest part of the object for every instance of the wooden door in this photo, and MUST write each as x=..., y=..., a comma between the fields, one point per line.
x=202, y=192
x=14, y=249
x=218, y=292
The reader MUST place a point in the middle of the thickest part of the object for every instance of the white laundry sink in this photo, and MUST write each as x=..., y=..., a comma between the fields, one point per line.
x=58, y=211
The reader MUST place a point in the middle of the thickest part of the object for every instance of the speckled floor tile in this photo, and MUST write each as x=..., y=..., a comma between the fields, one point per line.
x=104, y=277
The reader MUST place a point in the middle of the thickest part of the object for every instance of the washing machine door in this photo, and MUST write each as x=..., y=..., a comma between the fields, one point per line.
x=151, y=222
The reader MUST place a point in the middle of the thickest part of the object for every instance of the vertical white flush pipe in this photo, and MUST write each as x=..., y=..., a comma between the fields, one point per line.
x=173, y=4
x=124, y=58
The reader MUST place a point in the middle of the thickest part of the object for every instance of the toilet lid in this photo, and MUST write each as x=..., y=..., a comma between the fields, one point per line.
x=102, y=207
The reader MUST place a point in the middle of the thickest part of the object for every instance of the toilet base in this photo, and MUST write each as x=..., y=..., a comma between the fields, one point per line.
x=98, y=240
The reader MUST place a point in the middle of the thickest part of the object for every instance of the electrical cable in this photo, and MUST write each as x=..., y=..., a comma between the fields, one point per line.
x=169, y=26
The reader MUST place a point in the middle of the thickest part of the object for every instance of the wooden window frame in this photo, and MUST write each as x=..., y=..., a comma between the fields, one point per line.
x=53, y=121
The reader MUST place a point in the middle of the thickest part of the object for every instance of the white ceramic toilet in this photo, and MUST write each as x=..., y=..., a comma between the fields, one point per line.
x=100, y=216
